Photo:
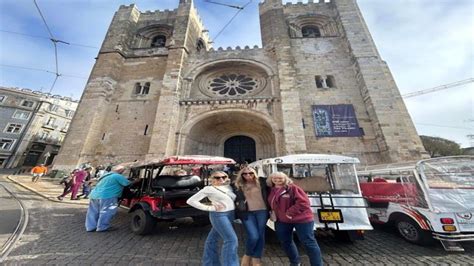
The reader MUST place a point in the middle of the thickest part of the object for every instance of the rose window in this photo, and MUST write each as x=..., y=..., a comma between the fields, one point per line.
x=233, y=84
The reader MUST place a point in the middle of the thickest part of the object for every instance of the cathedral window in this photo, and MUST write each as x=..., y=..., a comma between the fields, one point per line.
x=146, y=88
x=158, y=41
x=200, y=45
x=142, y=89
x=325, y=82
x=310, y=32
x=232, y=84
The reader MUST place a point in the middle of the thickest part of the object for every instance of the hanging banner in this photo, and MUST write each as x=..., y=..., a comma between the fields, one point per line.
x=335, y=121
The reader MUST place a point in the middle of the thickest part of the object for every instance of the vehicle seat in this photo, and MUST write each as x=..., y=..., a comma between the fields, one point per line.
x=380, y=179
x=176, y=182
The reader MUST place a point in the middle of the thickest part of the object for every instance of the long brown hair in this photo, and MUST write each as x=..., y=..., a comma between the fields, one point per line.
x=240, y=180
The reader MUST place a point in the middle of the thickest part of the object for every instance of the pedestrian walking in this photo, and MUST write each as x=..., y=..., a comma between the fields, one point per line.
x=221, y=215
x=38, y=171
x=77, y=181
x=103, y=203
x=252, y=210
x=291, y=210
x=67, y=183
x=86, y=185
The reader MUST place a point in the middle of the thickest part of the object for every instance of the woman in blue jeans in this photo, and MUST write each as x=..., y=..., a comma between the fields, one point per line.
x=221, y=214
x=251, y=192
x=291, y=209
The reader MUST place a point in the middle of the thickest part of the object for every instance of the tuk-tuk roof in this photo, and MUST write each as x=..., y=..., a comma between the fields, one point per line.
x=186, y=159
x=311, y=158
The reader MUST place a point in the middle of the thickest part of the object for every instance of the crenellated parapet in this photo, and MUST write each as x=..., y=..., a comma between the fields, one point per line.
x=299, y=3
x=158, y=14
x=234, y=49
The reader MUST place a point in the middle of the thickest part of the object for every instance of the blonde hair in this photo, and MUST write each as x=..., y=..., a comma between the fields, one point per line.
x=278, y=174
x=240, y=181
x=215, y=173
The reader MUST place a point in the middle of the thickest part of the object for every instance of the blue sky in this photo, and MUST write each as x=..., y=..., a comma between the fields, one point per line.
x=426, y=43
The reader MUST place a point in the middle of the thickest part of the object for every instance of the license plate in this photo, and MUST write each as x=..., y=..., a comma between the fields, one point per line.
x=330, y=216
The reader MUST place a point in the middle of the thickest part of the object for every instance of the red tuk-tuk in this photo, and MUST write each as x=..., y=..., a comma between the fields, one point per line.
x=166, y=185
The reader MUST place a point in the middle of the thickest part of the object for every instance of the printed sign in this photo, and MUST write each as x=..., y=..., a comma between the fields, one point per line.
x=335, y=121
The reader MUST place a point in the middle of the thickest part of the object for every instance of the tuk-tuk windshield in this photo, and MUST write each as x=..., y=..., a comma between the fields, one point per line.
x=334, y=178
x=450, y=182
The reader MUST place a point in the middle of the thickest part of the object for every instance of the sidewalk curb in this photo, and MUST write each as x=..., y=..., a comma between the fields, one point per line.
x=41, y=194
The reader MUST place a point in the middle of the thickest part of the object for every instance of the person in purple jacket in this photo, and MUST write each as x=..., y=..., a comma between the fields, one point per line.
x=291, y=210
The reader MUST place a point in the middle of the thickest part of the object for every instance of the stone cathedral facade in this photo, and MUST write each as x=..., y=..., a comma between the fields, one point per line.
x=318, y=85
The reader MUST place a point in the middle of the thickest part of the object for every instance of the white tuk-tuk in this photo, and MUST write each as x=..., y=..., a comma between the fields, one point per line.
x=332, y=186
x=430, y=199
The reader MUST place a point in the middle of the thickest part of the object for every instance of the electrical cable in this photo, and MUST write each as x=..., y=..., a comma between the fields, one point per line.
x=231, y=19
x=43, y=70
x=55, y=41
x=42, y=37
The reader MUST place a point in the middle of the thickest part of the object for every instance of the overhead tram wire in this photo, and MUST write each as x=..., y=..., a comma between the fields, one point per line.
x=42, y=37
x=43, y=70
x=231, y=19
x=55, y=41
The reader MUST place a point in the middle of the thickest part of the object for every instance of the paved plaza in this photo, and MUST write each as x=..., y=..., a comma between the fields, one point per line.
x=55, y=235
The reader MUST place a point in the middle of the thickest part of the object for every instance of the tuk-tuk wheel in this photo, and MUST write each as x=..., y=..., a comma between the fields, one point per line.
x=412, y=232
x=142, y=222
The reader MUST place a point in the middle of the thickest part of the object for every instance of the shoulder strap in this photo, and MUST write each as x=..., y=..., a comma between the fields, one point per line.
x=222, y=191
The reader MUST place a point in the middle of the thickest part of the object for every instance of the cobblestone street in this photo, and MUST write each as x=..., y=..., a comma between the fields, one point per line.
x=55, y=235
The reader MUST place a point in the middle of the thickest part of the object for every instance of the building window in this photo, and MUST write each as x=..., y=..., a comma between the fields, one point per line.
x=27, y=103
x=44, y=135
x=233, y=84
x=51, y=121
x=14, y=128
x=6, y=144
x=2, y=98
x=69, y=113
x=200, y=45
x=310, y=32
x=158, y=41
x=325, y=82
x=53, y=108
x=142, y=90
x=21, y=114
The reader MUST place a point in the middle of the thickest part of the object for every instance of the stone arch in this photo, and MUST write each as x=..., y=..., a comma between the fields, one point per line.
x=325, y=25
x=145, y=36
x=206, y=133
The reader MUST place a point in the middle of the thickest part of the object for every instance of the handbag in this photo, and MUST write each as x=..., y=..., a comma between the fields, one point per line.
x=241, y=205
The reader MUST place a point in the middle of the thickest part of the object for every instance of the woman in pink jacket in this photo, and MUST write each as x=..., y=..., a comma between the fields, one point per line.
x=291, y=209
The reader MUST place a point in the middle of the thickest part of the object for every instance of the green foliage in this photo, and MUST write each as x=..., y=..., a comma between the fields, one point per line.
x=440, y=147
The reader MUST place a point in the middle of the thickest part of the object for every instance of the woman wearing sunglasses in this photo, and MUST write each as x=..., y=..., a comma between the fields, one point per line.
x=252, y=210
x=221, y=215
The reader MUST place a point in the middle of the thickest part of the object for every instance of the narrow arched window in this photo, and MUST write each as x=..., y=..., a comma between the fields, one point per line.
x=158, y=41
x=310, y=32
x=200, y=45
x=146, y=88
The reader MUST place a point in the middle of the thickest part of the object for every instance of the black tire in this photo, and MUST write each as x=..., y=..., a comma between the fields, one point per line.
x=348, y=236
x=412, y=232
x=142, y=223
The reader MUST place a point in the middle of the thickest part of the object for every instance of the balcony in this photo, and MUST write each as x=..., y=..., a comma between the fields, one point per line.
x=47, y=140
x=50, y=126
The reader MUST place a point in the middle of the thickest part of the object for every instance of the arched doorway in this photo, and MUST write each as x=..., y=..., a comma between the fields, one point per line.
x=207, y=134
x=240, y=148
